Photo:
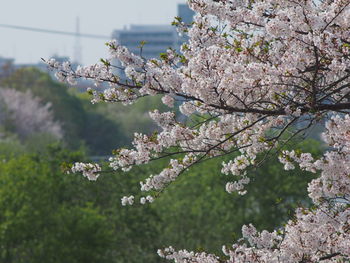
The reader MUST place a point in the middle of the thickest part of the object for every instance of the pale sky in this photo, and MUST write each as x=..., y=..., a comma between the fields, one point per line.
x=96, y=17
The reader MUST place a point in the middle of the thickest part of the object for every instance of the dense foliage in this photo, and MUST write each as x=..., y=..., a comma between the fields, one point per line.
x=47, y=216
x=50, y=216
x=99, y=128
x=200, y=215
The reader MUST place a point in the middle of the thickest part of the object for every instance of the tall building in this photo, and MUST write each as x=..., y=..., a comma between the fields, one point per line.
x=158, y=38
x=185, y=13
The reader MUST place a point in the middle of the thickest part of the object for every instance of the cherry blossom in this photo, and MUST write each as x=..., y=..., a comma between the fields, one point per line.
x=88, y=170
x=27, y=114
x=252, y=76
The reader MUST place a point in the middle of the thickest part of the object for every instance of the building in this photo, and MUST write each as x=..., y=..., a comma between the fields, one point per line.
x=5, y=61
x=185, y=13
x=6, y=66
x=158, y=38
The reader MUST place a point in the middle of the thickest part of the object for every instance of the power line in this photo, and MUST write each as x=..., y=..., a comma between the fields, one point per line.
x=41, y=30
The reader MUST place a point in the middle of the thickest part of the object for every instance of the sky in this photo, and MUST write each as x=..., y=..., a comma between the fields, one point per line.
x=96, y=17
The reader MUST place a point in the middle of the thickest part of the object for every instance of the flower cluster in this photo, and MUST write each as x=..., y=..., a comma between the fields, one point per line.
x=26, y=114
x=89, y=170
x=128, y=200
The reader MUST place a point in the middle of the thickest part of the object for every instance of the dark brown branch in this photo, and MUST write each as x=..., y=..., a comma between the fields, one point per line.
x=329, y=256
x=336, y=15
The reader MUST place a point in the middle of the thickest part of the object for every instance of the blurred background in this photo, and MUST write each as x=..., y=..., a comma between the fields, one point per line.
x=99, y=18
x=49, y=216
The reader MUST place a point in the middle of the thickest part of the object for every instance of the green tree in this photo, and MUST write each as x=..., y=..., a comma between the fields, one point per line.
x=47, y=216
x=82, y=123
x=132, y=118
x=200, y=215
x=67, y=109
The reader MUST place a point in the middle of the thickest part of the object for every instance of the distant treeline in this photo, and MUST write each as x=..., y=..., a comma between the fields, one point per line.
x=98, y=128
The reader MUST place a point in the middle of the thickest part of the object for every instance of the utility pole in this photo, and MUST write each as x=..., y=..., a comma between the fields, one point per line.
x=77, y=57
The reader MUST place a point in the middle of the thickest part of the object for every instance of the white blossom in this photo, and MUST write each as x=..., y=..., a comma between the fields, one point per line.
x=27, y=114
x=89, y=170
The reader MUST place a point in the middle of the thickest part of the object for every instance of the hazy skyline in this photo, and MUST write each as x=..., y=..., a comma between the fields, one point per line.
x=96, y=17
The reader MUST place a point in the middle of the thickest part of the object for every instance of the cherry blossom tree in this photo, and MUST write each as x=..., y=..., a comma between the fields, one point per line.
x=255, y=74
x=26, y=114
